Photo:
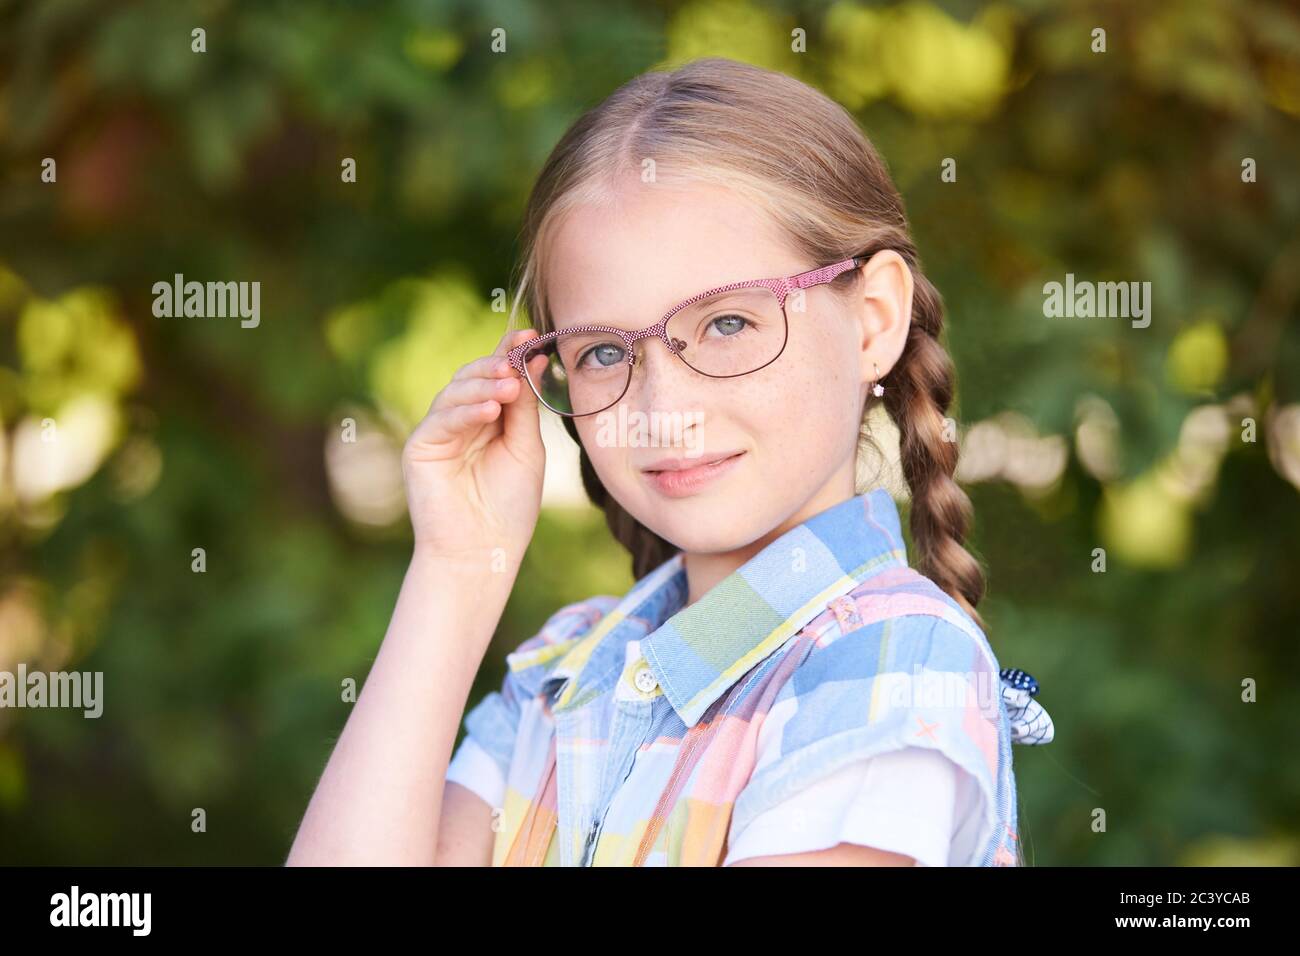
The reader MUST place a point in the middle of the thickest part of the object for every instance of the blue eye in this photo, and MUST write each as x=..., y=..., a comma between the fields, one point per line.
x=606, y=355
x=731, y=324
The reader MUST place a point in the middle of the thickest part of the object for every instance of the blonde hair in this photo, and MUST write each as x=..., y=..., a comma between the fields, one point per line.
x=801, y=158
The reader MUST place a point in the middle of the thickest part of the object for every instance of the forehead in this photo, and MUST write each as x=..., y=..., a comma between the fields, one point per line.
x=629, y=259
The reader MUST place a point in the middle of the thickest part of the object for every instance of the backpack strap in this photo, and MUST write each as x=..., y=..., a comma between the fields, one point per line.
x=693, y=746
x=534, y=836
x=688, y=754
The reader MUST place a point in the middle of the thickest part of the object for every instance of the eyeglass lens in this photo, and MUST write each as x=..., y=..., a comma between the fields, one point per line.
x=723, y=335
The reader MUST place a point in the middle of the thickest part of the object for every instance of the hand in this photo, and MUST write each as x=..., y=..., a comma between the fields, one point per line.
x=473, y=467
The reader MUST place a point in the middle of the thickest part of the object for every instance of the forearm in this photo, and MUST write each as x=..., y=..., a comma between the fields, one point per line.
x=379, y=798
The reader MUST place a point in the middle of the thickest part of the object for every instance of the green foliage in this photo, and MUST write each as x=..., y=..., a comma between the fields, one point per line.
x=223, y=688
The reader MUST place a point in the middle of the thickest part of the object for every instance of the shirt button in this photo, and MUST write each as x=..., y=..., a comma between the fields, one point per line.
x=644, y=679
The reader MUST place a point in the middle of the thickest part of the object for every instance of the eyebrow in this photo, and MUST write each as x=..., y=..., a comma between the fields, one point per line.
x=607, y=323
x=610, y=323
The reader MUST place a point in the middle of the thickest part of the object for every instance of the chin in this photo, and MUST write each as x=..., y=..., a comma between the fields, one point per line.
x=702, y=524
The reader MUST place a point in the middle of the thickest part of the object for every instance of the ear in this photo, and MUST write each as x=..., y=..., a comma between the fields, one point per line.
x=883, y=305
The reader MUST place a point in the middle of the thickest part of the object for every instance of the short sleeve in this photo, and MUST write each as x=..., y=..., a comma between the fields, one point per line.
x=482, y=761
x=903, y=801
x=921, y=687
x=472, y=767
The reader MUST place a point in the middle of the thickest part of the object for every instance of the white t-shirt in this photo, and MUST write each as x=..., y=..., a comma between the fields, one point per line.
x=913, y=801
x=472, y=767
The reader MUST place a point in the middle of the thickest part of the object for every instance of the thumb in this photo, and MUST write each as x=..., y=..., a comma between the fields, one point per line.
x=520, y=417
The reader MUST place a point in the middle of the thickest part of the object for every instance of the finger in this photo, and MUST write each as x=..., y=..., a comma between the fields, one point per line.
x=536, y=369
x=488, y=365
x=511, y=339
x=470, y=391
x=456, y=422
x=520, y=419
x=536, y=366
x=533, y=364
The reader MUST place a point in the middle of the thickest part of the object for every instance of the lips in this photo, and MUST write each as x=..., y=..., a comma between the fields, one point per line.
x=685, y=464
x=681, y=477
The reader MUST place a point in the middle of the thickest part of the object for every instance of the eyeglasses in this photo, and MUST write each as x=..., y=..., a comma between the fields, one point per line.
x=725, y=332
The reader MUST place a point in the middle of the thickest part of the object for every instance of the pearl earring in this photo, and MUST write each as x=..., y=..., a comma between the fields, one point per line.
x=876, y=388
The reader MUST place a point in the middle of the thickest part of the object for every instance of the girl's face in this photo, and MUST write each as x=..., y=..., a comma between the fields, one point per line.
x=792, y=425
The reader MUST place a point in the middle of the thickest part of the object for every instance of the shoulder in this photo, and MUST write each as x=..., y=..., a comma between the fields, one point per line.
x=897, y=621
x=896, y=661
x=893, y=664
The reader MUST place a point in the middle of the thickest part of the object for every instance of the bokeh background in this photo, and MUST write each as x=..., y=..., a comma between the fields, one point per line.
x=1171, y=157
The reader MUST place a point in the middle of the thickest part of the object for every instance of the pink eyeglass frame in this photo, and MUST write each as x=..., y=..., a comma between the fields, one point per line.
x=780, y=287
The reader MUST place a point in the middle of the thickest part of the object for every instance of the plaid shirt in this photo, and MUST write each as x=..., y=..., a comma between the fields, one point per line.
x=635, y=731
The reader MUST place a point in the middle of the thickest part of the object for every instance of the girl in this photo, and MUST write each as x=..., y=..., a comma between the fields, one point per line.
x=718, y=248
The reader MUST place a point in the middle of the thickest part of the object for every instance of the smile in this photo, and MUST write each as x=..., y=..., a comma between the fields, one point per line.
x=675, y=481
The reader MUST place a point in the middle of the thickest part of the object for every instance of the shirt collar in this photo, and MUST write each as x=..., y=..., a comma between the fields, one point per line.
x=695, y=653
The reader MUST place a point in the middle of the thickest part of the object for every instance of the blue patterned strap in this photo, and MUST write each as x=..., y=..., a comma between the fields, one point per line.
x=1030, y=723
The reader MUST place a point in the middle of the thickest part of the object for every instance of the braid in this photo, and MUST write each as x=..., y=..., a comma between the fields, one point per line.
x=917, y=397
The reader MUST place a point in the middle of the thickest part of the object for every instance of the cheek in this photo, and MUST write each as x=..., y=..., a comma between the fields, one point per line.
x=587, y=435
x=803, y=406
x=609, y=459
x=816, y=391
x=788, y=426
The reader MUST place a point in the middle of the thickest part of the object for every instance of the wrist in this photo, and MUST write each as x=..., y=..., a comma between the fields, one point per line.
x=467, y=587
x=477, y=567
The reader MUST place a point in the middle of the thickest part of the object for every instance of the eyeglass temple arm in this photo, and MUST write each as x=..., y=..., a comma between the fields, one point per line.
x=827, y=273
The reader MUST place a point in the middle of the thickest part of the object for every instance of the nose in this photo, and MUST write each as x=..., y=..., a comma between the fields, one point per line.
x=657, y=378
x=644, y=341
